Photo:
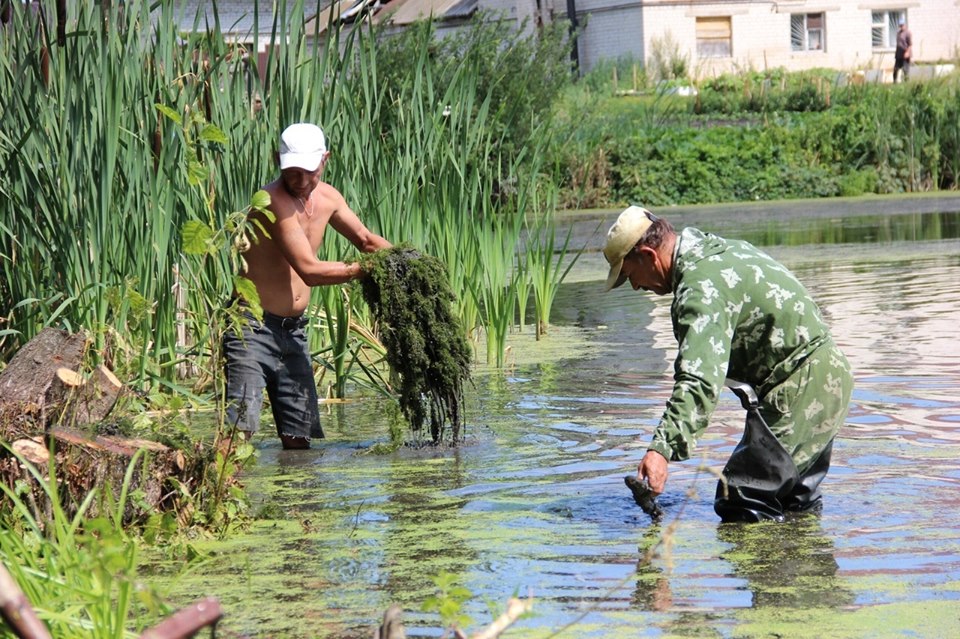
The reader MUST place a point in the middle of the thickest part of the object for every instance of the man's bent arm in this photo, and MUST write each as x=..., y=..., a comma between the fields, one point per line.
x=348, y=224
x=293, y=243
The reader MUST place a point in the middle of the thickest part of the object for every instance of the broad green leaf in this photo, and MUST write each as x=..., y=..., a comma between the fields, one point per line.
x=196, y=173
x=196, y=237
x=169, y=113
x=212, y=133
x=260, y=200
x=247, y=290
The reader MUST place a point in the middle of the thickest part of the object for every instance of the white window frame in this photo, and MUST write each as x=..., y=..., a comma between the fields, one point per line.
x=714, y=38
x=884, y=26
x=803, y=37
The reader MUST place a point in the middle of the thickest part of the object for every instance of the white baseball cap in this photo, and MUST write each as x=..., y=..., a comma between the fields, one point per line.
x=302, y=145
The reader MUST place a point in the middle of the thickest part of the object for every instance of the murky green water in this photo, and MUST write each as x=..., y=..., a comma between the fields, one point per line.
x=535, y=503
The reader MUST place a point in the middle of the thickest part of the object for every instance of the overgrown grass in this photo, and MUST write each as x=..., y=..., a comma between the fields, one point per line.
x=758, y=136
x=79, y=573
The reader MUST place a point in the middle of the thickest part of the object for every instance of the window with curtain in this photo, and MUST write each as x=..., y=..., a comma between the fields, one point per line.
x=806, y=32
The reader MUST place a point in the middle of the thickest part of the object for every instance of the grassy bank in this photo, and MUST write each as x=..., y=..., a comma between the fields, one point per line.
x=757, y=136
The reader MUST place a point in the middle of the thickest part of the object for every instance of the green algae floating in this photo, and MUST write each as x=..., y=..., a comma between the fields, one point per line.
x=410, y=296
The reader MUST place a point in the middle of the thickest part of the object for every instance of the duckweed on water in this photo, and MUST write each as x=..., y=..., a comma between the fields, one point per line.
x=410, y=296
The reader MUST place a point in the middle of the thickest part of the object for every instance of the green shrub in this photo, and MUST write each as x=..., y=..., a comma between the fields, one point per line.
x=766, y=135
x=524, y=74
x=860, y=182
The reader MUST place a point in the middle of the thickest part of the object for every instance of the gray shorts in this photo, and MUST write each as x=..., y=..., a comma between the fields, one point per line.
x=272, y=355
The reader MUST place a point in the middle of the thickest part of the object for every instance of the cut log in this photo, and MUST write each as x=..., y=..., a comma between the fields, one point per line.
x=26, y=381
x=86, y=463
x=41, y=387
x=102, y=462
x=44, y=403
x=30, y=372
x=83, y=401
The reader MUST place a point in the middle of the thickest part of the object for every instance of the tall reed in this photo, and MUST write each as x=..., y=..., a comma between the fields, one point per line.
x=130, y=138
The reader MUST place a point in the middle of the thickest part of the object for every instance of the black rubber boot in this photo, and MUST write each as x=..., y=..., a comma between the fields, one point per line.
x=761, y=477
x=806, y=494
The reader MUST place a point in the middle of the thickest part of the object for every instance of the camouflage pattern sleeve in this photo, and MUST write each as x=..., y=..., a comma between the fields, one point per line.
x=702, y=324
x=736, y=313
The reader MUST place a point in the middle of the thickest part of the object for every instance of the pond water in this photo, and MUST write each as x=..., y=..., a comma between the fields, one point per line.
x=535, y=505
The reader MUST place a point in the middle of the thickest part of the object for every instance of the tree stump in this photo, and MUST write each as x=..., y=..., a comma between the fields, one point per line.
x=42, y=387
x=84, y=464
x=45, y=400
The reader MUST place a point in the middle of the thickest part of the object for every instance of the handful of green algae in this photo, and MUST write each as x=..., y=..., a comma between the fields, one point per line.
x=412, y=302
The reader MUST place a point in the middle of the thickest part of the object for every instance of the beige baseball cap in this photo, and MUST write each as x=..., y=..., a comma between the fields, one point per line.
x=621, y=238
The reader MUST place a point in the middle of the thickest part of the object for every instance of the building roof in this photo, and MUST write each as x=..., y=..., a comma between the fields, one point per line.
x=396, y=12
x=409, y=11
x=236, y=16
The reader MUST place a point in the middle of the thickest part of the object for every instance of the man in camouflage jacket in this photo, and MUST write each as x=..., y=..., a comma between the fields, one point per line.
x=738, y=315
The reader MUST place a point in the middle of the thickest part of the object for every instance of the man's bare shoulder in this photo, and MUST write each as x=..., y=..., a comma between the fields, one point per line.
x=328, y=191
x=327, y=198
x=281, y=202
x=277, y=192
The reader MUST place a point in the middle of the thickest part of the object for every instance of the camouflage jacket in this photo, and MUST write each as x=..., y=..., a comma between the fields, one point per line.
x=736, y=313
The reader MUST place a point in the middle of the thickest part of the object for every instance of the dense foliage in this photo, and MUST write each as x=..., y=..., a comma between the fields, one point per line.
x=523, y=76
x=128, y=176
x=759, y=137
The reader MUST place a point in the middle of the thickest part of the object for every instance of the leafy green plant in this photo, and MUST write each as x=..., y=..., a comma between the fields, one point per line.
x=78, y=572
x=449, y=600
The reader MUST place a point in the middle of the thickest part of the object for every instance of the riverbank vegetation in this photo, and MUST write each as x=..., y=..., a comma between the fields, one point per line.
x=754, y=136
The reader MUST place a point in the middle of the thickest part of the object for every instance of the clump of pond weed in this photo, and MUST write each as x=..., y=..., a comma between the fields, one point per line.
x=411, y=299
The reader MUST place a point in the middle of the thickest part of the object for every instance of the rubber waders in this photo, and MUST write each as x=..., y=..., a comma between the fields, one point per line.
x=762, y=481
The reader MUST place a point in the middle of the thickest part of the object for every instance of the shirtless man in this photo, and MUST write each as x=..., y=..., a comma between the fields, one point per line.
x=273, y=353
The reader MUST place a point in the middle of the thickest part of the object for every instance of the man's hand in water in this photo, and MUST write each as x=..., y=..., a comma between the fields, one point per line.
x=653, y=468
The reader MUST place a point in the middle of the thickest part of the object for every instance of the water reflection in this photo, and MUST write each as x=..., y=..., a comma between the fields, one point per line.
x=426, y=531
x=652, y=590
x=788, y=566
x=857, y=230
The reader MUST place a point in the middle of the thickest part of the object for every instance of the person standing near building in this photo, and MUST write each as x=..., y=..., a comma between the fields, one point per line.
x=738, y=314
x=901, y=59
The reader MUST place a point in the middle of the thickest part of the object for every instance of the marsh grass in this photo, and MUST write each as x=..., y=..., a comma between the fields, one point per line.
x=548, y=263
x=78, y=572
x=137, y=149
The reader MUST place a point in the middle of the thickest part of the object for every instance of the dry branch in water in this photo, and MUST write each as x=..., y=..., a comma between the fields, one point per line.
x=515, y=608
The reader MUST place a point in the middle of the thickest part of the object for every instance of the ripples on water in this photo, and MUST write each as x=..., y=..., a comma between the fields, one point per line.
x=535, y=503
